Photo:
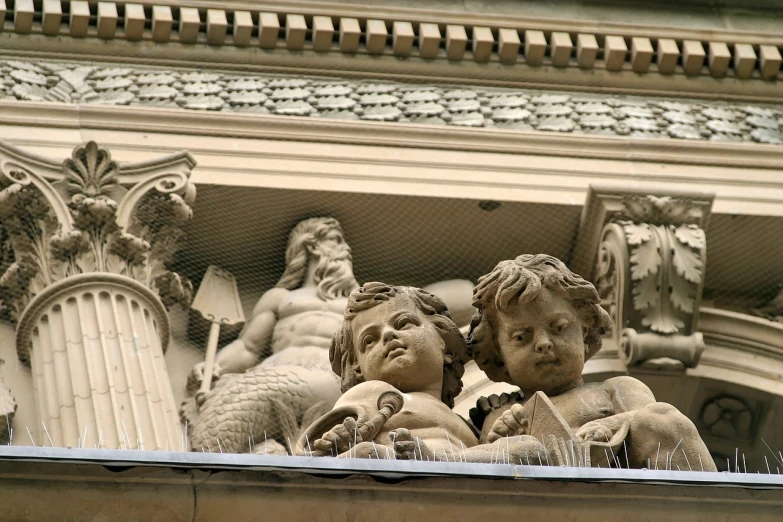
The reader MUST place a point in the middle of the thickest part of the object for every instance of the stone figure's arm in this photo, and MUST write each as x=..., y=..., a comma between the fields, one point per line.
x=628, y=395
x=254, y=340
x=490, y=414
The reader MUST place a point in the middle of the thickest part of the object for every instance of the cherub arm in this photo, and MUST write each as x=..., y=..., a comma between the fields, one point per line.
x=493, y=417
x=628, y=395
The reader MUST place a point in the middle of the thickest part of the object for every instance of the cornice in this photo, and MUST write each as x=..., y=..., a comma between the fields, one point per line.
x=406, y=43
x=411, y=135
x=457, y=107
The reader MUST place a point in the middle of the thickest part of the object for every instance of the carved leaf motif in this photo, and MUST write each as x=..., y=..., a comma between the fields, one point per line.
x=682, y=293
x=200, y=77
x=636, y=112
x=691, y=235
x=510, y=114
x=645, y=258
x=557, y=124
x=508, y=101
x=597, y=120
x=207, y=103
x=641, y=124
x=686, y=261
x=158, y=92
x=637, y=234
x=660, y=321
x=645, y=293
x=767, y=136
x=156, y=79
x=593, y=108
x=550, y=98
x=335, y=103
x=421, y=96
x=29, y=77
x=201, y=88
x=468, y=119
x=554, y=110
x=758, y=111
x=111, y=73
x=381, y=113
x=245, y=84
x=725, y=127
x=375, y=88
x=719, y=113
x=30, y=92
x=247, y=98
x=464, y=105
x=763, y=122
x=460, y=94
x=334, y=90
x=378, y=99
x=112, y=83
x=424, y=109
x=290, y=94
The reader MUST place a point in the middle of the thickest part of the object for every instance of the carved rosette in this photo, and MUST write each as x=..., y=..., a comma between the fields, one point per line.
x=85, y=278
x=650, y=272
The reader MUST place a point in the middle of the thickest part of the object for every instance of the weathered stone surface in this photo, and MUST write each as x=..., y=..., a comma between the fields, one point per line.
x=392, y=102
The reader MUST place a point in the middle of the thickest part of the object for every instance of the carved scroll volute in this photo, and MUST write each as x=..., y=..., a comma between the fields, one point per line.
x=650, y=271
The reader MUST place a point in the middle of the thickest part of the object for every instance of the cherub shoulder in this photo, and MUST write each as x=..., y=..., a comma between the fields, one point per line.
x=628, y=391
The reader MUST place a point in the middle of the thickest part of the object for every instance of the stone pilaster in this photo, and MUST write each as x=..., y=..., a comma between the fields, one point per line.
x=85, y=279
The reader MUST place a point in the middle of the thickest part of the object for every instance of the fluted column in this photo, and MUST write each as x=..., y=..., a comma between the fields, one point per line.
x=88, y=286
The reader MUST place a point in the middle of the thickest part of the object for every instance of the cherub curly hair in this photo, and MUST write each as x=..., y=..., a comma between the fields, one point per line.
x=522, y=279
x=343, y=357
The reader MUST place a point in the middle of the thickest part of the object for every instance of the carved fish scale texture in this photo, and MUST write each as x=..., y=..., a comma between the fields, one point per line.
x=241, y=409
x=382, y=101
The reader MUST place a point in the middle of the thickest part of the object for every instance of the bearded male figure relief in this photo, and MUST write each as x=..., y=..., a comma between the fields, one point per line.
x=262, y=404
x=536, y=325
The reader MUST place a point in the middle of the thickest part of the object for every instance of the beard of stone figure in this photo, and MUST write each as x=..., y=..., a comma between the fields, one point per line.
x=542, y=343
x=319, y=240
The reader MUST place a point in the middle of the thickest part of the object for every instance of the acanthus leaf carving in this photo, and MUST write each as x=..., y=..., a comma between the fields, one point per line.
x=658, y=243
x=84, y=220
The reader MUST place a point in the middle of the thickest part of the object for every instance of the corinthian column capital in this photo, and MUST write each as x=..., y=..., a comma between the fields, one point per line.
x=83, y=273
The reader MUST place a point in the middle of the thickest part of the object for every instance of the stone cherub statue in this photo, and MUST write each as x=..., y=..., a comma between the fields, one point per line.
x=400, y=358
x=536, y=325
x=295, y=320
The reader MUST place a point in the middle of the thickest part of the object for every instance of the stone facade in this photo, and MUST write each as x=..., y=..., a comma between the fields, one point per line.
x=639, y=145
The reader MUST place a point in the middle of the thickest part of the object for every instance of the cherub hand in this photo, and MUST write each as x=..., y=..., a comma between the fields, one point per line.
x=512, y=422
x=408, y=447
x=339, y=439
x=196, y=377
x=595, y=431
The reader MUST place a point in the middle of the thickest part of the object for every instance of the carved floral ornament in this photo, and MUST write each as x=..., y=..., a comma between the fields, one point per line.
x=90, y=217
x=650, y=270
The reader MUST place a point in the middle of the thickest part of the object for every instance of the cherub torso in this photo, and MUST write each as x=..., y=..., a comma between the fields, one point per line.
x=306, y=320
x=427, y=418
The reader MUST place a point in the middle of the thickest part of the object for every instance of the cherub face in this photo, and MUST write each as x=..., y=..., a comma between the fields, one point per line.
x=394, y=342
x=542, y=343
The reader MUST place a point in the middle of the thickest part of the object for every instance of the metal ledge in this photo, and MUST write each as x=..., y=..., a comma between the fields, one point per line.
x=388, y=469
